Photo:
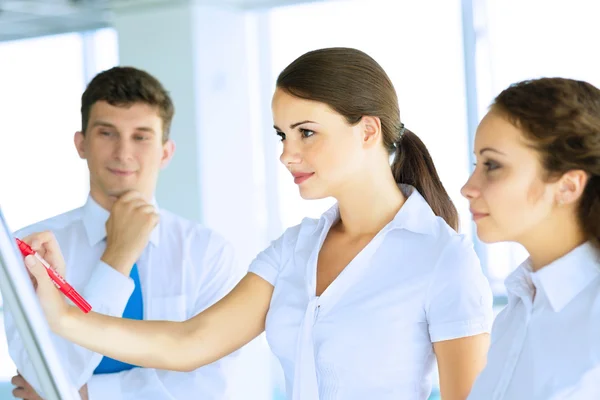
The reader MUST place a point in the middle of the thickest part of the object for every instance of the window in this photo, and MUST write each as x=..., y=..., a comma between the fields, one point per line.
x=41, y=85
x=42, y=80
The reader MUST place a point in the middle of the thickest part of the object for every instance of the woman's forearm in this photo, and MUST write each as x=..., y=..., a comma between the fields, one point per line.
x=178, y=346
x=149, y=344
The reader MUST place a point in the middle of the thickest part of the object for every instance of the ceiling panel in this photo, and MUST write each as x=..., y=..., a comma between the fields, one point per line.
x=30, y=18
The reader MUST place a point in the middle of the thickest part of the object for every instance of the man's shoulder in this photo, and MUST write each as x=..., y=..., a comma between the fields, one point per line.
x=203, y=246
x=196, y=232
x=54, y=224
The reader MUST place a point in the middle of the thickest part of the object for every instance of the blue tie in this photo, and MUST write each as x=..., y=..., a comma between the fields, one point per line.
x=133, y=310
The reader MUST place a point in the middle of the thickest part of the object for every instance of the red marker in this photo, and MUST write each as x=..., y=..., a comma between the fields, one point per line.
x=58, y=280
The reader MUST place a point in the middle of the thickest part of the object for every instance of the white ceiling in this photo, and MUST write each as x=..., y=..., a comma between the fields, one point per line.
x=30, y=18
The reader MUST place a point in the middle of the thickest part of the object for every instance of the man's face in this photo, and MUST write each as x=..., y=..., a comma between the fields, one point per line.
x=124, y=149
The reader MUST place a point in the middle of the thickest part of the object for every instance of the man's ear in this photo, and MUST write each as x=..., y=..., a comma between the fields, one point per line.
x=79, y=140
x=168, y=152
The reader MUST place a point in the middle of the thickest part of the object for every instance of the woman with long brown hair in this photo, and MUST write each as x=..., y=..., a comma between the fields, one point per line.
x=537, y=183
x=358, y=304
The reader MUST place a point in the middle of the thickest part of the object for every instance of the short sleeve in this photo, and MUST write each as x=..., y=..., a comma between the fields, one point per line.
x=268, y=262
x=459, y=299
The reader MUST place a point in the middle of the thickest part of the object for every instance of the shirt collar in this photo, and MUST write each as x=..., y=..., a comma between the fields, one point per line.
x=415, y=215
x=519, y=283
x=94, y=222
x=561, y=280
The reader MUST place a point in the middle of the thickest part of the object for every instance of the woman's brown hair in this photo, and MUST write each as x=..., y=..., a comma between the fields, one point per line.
x=561, y=118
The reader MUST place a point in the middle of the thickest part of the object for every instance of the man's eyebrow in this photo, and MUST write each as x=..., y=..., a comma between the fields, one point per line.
x=112, y=126
x=104, y=124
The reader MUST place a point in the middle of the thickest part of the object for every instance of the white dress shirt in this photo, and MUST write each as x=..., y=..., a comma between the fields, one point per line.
x=546, y=342
x=184, y=269
x=370, y=334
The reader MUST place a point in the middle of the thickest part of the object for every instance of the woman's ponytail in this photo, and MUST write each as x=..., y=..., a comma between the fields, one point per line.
x=413, y=166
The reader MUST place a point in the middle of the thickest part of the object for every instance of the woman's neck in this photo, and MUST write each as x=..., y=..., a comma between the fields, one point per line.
x=370, y=205
x=553, y=240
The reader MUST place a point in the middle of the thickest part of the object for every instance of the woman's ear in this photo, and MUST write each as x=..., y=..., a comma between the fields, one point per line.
x=571, y=186
x=371, y=130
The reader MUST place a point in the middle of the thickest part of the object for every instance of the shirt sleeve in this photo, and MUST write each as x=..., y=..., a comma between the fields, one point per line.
x=108, y=290
x=459, y=300
x=79, y=362
x=268, y=262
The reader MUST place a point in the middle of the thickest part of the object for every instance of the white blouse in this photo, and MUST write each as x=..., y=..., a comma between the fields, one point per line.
x=370, y=334
x=546, y=342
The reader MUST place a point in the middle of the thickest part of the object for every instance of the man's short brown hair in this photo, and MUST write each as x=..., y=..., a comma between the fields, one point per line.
x=125, y=86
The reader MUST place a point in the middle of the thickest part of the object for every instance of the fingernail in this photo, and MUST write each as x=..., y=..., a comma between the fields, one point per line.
x=30, y=261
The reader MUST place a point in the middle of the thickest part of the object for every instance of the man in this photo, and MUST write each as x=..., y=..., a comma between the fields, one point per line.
x=182, y=269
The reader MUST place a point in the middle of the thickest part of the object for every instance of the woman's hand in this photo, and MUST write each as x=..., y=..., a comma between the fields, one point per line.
x=52, y=301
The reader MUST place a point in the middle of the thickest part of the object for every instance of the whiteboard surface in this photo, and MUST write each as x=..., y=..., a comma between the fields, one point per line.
x=20, y=298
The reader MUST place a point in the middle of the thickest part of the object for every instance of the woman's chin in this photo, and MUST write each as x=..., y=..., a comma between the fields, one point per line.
x=310, y=194
x=488, y=236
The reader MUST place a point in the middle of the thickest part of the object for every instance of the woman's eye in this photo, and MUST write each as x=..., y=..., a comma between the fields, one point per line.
x=491, y=165
x=281, y=135
x=306, y=133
